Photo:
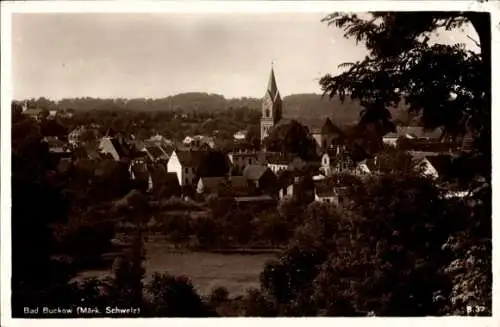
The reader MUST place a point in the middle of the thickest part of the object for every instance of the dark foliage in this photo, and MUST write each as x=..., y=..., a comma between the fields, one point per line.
x=291, y=137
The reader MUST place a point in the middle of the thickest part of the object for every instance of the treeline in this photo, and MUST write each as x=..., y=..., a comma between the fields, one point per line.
x=144, y=124
x=310, y=106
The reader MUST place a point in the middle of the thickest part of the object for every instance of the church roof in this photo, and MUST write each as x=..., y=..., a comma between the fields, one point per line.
x=272, y=87
x=330, y=128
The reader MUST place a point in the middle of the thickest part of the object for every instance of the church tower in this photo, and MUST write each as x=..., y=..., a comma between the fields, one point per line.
x=272, y=107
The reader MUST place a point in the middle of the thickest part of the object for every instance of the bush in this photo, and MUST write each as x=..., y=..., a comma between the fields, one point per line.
x=175, y=297
x=218, y=296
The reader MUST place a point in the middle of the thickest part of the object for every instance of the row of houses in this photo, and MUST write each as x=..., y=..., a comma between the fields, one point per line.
x=39, y=113
x=246, y=172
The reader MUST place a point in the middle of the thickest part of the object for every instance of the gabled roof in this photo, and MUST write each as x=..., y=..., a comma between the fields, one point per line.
x=213, y=183
x=329, y=128
x=155, y=151
x=115, y=148
x=190, y=158
x=238, y=182
x=87, y=152
x=254, y=172
x=207, y=163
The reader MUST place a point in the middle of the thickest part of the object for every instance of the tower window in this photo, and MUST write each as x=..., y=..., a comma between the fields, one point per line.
x=267, y=113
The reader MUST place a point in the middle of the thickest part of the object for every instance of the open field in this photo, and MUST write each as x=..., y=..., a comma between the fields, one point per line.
x=236, y=272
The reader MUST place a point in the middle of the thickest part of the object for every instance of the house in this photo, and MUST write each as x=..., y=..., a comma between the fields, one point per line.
x=296, y=186
x=191, y=165
x=156, y=152
x=336, y=160
x=52, y=113
x=240, y=135
x=74, y=135
x=361, y=169
x=199, y=141
x=163, y=183
x=335, y=196
x=429, y=164
x=56, y=146
x=155, y=178
x=327, y=192
x=278, y=162
x=88, y=152
x=184, y=164
x=261, y=179
x=327, y=135
x=67, y=114
x=35, y=114
x=240, y=158
x=410, y=133
x=208, y=185
x=238, y=186
x=424, y=166
x=326, y=196
x=157, y=138
x=140, y=174
x=114, y=147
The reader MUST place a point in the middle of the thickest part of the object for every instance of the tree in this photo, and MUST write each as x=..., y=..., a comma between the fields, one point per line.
x=218, y=296
x=52, y=127
x=291, y=137
x=448, y=85
x=253, y=136
x=175, y=297
x=37, y=202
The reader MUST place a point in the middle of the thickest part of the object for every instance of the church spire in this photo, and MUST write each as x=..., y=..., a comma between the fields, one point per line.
x=271, y=106
x=272, y=88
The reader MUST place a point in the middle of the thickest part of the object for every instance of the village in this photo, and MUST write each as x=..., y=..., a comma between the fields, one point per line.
x=182, y=171
x=195, y=167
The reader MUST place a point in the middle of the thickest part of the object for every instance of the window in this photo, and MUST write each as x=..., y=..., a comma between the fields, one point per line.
x=267, y=113
x=186, y=170
x=249, y=161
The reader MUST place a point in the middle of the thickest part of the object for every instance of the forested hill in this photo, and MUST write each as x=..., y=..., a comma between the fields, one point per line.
x=308, y=105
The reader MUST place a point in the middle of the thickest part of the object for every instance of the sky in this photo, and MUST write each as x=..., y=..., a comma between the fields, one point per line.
x=109, y=55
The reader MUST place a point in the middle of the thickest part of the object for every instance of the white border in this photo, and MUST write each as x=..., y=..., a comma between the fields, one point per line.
x=210, y=7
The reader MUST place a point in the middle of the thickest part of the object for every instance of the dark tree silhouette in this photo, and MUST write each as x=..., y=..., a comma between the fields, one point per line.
x=448, y=85
x=291, y=137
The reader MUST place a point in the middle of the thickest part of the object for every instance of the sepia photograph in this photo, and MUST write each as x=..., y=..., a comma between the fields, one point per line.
x=288, y=163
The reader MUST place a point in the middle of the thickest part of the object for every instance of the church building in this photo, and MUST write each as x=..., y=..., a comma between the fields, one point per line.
x=272, y=113
x=272, y=107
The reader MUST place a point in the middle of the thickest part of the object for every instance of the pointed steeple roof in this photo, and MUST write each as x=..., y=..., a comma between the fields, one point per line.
x=272, y=88
x=277, y=97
